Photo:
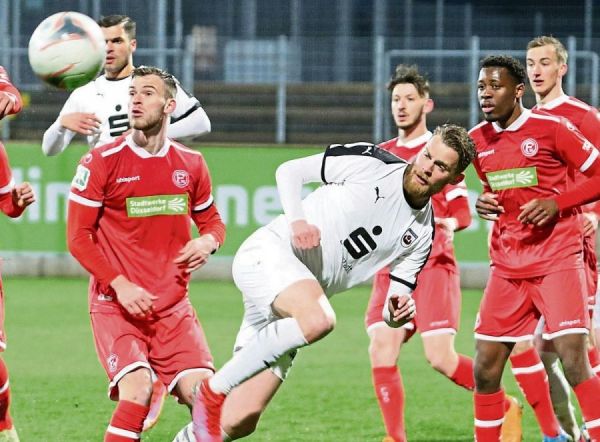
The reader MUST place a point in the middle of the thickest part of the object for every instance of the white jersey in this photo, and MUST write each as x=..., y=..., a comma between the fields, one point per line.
x=108, y=99
x=365, y=221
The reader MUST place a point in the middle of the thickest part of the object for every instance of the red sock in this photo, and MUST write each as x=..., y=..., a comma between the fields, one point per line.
x=594, y=357
x=588, y=395
x=532, y=378
x=463, y=375
x=390, y=395
x=5, y=419
x=127, y=422
x=489, y=414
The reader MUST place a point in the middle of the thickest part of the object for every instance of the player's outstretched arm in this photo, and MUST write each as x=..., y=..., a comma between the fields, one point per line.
x=13, y=204
x=192, y=125
x=58, y=136
x=10, y=98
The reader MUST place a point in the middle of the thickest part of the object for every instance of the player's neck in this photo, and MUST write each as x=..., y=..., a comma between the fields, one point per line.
x=554, y=93
x=150, y=140
x=125, y=72
x=410, y=133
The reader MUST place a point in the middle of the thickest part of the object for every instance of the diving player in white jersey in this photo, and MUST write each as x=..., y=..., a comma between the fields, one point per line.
x=373, y=210
x=98, y=110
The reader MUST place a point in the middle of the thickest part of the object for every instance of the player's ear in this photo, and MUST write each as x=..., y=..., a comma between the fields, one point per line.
x=429, y=105
x=458, y=178
x=133, y=45
x=520, y=90
x=170, y=106
x=562, y=70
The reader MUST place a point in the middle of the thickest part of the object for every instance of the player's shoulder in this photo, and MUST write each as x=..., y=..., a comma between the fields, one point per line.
x=182, y=149
x=480, y=128
x=541, y=117
x=362, y=149
x=107, y=150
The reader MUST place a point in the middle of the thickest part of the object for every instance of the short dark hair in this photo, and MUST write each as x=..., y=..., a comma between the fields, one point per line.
x=168, y=79
x=511, y=64
x=114, y=20
x=458, y=139
x=409, y=75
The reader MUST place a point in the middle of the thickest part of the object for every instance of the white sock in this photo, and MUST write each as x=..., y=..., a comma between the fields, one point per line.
x=268, y=344
x=186, y=434
x=560, y=394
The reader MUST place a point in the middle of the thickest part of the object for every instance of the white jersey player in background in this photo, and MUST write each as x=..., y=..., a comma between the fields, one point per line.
x=98, y=110
x=373, y=210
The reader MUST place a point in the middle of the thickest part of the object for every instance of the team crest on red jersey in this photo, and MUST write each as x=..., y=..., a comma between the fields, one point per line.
x=529, y=147
x=181, y=178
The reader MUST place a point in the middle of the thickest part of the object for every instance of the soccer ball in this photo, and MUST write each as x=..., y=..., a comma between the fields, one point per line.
x=67, y=50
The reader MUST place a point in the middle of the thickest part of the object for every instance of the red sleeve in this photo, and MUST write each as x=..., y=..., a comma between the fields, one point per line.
x=85, y=204
x=7, y=87
x=460, y=211
x=209, y=221
x=6, y=186
x=204, y=212
x=581, y=155
x=83, y=242
x=590, y=126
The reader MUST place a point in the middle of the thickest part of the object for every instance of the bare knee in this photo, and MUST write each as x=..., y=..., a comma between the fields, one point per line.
x=384, y=346
x=136, y=386
x=242, y=425
x=490, y=358
x=317, y=325
x=571, y=349
x=444, y=361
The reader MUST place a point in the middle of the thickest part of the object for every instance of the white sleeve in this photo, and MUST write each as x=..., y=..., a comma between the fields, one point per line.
x=57, y=138
x=194, y=124
x=189, y=118
x=290, y=177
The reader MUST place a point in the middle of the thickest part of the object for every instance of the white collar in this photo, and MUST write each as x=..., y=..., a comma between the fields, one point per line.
x=143, y=153
x=515, y=125
x=415, y=142
x=554, y=103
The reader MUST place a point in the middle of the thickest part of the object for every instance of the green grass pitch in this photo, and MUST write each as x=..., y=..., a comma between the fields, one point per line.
x=59, y=388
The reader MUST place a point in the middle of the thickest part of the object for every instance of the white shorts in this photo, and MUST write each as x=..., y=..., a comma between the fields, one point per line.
x=262, y=268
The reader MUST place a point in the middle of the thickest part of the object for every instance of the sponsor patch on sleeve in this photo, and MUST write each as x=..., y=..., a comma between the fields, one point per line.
x=81, y=178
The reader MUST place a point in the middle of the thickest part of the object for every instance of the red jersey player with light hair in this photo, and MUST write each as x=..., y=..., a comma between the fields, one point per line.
x=523, y=160
x=546, y=67
x=130, y=208
x=438, y=295
x=13, y=201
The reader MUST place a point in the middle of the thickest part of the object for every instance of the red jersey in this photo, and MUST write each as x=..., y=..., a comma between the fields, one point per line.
x=451, y=202
x=142, y=204
x=7, y=87
x=587, y=120
x=528, y=160
x=6, y=181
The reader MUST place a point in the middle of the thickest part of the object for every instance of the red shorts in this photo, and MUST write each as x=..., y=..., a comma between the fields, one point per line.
x=2, y=333
x=171, y=346
x=590, y=265
x=437, y=299
x=510, y=308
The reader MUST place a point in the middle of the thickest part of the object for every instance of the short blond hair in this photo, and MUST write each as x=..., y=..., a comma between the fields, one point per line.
x=547, y=40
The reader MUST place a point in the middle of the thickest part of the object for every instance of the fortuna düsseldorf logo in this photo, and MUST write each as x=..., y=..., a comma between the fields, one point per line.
x=529, y=147
x=181, y=178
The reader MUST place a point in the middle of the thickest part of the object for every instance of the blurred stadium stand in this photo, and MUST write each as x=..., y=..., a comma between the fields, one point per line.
x=303, y=71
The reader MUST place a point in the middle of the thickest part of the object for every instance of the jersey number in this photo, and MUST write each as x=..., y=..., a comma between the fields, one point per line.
x=118, y=124
x=359, y=243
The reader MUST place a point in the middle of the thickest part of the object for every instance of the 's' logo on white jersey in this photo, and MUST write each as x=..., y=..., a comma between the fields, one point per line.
x=181, y=178
x=408, y=238
x=529, y=147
